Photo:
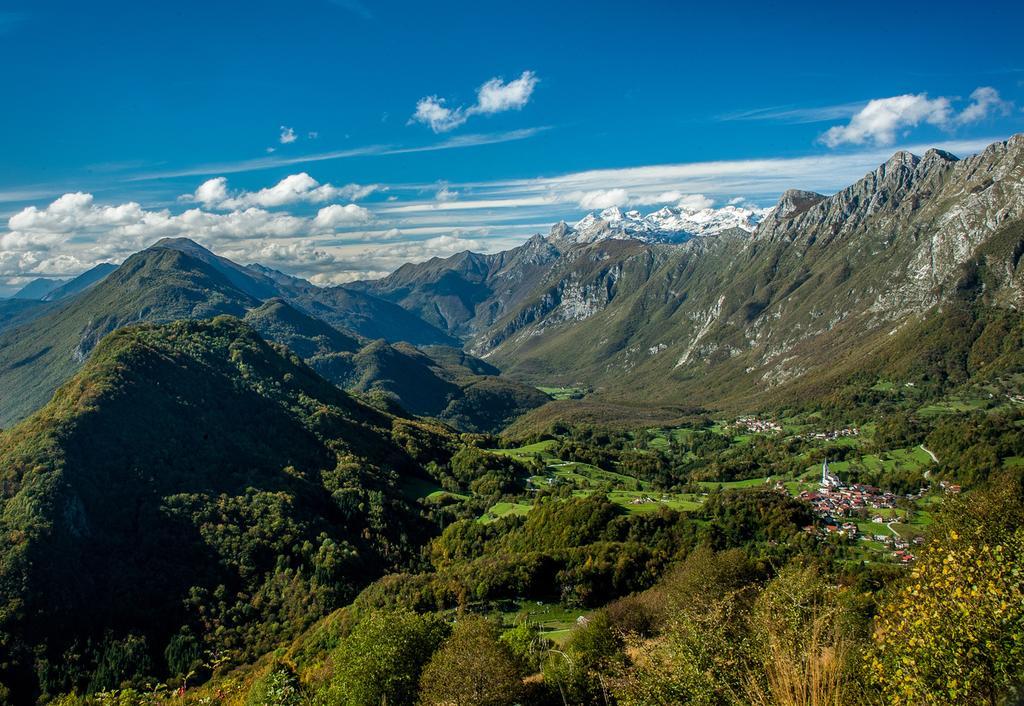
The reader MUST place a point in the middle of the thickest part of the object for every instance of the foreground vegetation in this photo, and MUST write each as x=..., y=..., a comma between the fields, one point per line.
x=302, y=546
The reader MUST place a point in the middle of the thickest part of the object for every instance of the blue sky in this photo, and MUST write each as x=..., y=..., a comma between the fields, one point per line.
x=553, y=108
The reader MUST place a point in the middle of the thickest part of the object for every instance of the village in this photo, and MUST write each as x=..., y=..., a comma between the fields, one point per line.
x=836, y=503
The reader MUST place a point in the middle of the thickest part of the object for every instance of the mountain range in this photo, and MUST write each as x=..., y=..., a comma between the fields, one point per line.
x=820, y=285
x=666, y=225
x=681, y=306
x=342, y=332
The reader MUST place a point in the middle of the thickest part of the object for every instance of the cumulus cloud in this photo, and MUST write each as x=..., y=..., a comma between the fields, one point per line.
x=691, y=202
x=338, y=216
x=211, y=192
x=494, y=96
x=695, y=202
x=985, y=101
x=603, y=198
x=432, y=111
x=288, y=135
x=882, y=120
x=295, y=188
x=74, y=233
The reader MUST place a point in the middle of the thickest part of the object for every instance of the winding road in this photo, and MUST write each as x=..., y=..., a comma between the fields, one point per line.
x=934, y=457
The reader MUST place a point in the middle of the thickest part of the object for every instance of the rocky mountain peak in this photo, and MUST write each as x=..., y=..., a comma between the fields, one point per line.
x=902, y=158
x=938, y=156
x=796, y=201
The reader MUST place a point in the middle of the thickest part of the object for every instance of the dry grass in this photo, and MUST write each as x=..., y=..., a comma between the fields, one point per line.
x=807, y=673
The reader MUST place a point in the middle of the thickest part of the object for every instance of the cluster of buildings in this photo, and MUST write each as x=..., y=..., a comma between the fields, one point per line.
x=766, y=425
x=755, y=424
x=832, y=435
x=948, y=487
x=835, y=500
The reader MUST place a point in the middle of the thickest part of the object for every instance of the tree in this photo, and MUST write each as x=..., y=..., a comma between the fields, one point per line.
x=954, y=632
x=382, y=659
x=527, y=644
x=278, y=687
x=472, y=668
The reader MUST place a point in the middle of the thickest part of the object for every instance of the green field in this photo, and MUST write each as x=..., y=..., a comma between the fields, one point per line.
x=499, y=510
x=564, y=393
x=748, y=483
x=542, y=448
x=958, y=404
x=913, y=458
x=872, y=528
x=555, y=620
x=673, y=501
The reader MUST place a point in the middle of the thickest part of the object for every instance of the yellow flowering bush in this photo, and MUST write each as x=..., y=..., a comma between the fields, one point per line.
x=954, y=632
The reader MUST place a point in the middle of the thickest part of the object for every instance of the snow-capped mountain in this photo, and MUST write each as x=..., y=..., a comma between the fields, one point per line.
x=666, y=225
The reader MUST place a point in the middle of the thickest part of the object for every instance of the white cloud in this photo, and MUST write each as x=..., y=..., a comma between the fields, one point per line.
x=287, y=135
x=604, y=198
x=432, y=111
x=338, y=216
x=260, y=163
x=445, y=194
x=695, y=202
x=212, y=192
x=607, y=198
x=295, y=188
x=74, y=232
x=882, y=120
x=494, y=96
x=796, y=115
x=984, y=101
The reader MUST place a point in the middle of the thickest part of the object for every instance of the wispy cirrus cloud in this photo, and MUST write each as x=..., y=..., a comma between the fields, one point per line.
x=271, y=162
x=795, y=114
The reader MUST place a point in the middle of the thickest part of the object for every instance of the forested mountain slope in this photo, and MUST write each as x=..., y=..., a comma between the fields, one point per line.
x=192, y=480
x=444, y=382
x=42, y=344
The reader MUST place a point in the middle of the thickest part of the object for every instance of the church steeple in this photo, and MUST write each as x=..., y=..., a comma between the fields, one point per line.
x=828, y=478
